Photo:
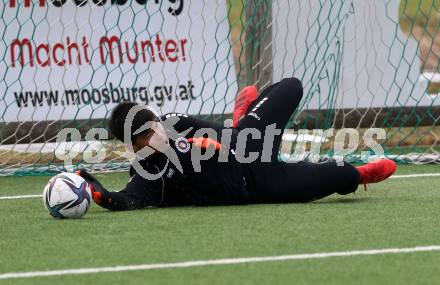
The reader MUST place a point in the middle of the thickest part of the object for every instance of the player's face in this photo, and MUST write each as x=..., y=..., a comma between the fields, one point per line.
x=156, y=138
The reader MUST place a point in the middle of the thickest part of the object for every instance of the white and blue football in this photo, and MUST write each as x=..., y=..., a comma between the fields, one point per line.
x=67, y=195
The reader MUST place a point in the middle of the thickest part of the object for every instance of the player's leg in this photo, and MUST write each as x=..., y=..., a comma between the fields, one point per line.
x=245, y=100
x=282, y=182
x=303, y=181
x=274, y=106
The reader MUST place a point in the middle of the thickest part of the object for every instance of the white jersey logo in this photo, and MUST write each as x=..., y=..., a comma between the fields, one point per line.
x=182, y=145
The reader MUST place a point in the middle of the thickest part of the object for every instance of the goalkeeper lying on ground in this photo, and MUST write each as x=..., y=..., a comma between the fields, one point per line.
x=228, y=181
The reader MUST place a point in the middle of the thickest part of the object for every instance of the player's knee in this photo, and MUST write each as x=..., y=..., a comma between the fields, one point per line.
x=295, y=87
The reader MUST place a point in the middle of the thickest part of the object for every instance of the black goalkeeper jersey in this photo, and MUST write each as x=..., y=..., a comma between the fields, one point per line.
x=217, y=183
x=224, y=183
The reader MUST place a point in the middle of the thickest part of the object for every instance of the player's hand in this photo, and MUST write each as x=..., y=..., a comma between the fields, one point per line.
x=205, y=143
x=87, y=176
x=99, y=193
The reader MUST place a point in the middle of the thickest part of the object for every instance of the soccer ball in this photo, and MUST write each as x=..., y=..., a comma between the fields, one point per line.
x=67, y=195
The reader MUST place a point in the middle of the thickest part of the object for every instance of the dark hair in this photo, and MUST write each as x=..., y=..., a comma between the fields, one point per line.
x=119, y=115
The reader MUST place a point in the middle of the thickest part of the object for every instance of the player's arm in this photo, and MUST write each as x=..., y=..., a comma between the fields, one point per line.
x=138, y=193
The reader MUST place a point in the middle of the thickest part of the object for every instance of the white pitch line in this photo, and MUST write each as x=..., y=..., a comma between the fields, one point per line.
x=20, y=197
x=392, y=177
x=416, y=175
x=227, y=261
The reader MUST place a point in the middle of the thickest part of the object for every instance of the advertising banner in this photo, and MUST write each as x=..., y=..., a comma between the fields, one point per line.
x=75, y=59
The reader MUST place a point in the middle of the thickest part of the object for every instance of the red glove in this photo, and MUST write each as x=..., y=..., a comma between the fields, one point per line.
x=205, y=143
x=99, y=194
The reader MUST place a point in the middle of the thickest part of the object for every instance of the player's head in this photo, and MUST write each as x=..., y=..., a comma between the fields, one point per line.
x=153, y=136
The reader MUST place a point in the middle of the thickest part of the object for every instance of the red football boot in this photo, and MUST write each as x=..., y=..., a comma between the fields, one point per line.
x=376, y=171
x=242, y=102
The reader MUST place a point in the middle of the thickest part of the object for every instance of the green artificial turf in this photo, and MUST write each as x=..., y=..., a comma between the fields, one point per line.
x=397, y=213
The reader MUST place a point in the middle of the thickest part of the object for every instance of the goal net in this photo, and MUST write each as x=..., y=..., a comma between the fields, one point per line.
x=66, y=63
x=365, y=64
